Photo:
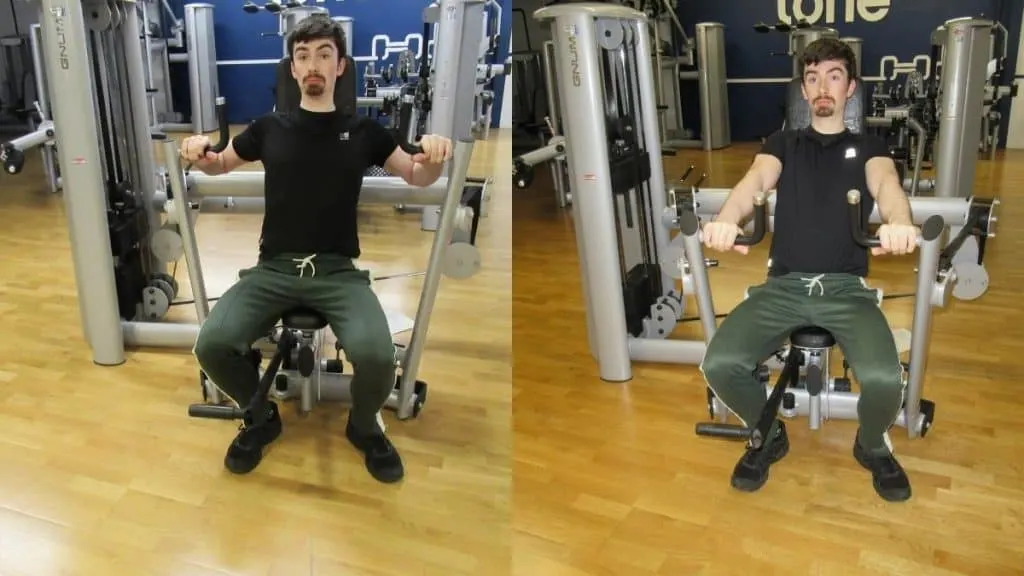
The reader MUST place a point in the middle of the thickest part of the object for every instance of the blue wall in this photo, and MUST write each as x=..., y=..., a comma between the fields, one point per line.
x=900, y=28
x=248, y=87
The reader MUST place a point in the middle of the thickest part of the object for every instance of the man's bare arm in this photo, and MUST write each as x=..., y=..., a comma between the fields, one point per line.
x=887, y=190
x=227, y=161
x=762, y=177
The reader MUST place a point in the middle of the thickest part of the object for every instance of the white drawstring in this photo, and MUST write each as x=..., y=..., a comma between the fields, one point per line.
x=814, y=282
x=303, y=262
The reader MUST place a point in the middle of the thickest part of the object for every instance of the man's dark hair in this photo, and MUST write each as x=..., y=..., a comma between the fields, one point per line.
x=824, y=49
x=317, y=27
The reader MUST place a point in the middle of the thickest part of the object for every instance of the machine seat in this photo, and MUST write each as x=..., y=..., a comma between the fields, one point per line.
x=303, y=319
x=812, y=337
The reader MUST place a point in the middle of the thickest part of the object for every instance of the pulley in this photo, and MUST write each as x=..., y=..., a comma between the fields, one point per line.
x=461, y=260
x=166, y=244
x=971, y=280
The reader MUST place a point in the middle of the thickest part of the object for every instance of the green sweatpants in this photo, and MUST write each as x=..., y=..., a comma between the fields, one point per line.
x=329, y=284
x=839, y=303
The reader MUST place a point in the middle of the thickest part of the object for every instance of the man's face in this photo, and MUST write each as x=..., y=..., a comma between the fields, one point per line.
x=827, y=87
x=316, y=66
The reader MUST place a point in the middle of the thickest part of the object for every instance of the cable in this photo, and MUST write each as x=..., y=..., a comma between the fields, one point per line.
x=889, y=297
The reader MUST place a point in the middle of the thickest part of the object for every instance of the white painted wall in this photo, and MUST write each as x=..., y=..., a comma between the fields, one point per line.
x=1015, y=130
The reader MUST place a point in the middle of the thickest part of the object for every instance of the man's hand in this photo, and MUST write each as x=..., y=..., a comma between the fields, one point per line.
x=436, y=150
x=193, y=151
x=721, y=236
x=896, y=239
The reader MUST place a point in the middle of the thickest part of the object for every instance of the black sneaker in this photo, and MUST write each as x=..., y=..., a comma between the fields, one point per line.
x=888, y=477
x=382, y=459
x=751, y=471
x=246, y=450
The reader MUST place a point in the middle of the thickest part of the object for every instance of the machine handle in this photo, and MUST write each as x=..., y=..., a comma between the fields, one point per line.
x=931, y=229
x=222, y=128
x=760, y=223
x=410, y=148
x=689, y=224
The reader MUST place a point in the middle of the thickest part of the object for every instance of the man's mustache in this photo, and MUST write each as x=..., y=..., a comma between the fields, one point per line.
x=316, y=77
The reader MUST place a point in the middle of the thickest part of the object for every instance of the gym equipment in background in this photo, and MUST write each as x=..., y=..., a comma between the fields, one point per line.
x=798, y=36
x=805, y=386
x=121, y=246
x=195, y=34
x=622, y=211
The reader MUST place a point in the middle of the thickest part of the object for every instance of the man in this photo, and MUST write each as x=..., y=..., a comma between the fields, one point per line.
x=314, y=160
x=817, y=271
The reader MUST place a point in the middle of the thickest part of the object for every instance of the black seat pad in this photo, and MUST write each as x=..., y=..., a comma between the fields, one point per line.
x=812, y=337
x=303, y=319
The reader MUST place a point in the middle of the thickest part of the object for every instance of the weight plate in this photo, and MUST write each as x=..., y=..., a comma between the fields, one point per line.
x=461, y=260
x=167, y=245
x=164, y=287
x=155, y=303
x=971, y=281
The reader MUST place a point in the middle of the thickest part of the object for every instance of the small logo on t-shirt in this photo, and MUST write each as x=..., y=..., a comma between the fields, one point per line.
x=851, y=152
x=343, y=136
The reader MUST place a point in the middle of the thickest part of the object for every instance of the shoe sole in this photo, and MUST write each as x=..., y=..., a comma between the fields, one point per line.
x=902, y=496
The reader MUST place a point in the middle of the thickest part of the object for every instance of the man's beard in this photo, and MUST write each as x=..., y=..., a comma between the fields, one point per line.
x=314, y=88
x=824, y=108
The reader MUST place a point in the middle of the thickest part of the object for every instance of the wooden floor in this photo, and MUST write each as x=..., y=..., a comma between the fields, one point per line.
x=610, y=479
x=104, y=474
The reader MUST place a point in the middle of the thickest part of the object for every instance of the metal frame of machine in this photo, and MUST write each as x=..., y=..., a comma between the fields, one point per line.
x=623, y=213
x=114, y=193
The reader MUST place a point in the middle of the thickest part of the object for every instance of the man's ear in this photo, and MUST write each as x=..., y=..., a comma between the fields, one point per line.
x=852, y=87
x=342, y=61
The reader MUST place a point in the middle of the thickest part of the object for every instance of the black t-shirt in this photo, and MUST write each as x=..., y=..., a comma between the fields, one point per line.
x=314, y=164
x=813, y=232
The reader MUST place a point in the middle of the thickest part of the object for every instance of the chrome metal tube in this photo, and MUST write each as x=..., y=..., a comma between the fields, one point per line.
x=160, y=334
x=690, y=227
x=920, y=339
x=182, y=210
x=667, y=351
x=954, y=211
x=442, y=237
x=922, y=135
x=376, y=189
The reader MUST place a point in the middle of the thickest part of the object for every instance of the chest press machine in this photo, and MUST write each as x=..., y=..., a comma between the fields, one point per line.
x=131, y=219
x=635, y=275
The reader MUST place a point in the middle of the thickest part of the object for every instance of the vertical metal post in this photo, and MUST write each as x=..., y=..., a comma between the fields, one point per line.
x=139, y=118
x=72, y=103
x=411, y=361
x=714, y=92
x=43, y=99
x=555, y=119
x=202, y=65
x=460, y=28
x=964, y=60
x=648, y=117
x=920, y=336
x=580, y=82
x=183, y=214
